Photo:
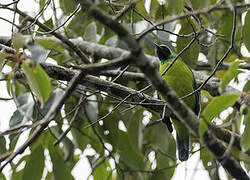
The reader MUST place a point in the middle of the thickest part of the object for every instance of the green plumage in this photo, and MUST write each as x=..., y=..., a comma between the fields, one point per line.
x=180, y=78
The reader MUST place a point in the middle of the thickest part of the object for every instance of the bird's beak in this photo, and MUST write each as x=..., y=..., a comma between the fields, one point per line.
x=156, y=45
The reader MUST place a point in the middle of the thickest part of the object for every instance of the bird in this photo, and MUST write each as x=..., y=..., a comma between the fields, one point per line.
x=181, y=79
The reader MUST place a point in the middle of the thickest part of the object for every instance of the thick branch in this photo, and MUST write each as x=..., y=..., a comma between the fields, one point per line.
x=232, y=166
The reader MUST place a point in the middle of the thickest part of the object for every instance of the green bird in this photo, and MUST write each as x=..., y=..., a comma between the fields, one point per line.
x=181, y=79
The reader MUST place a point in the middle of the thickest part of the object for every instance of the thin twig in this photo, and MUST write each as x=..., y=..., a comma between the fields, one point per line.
x=53, y=30
x=46, y=120
x=220, y=61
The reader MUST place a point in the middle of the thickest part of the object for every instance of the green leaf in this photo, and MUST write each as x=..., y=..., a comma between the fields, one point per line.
x=246, y=134
x=140, y=7
x=190, y=56
x=102, y=172
x=246, y=30
x=16, y=119
x=209, y=163
x=2, y=176
x=38, y=80
x=35, y=163
x=59, y=54
x=231, y=73
x=41, y=3
x=79, y=133
x=2, y=57
x=160, y=11
x=163, y=162
x=247, y=86
x=51, y=45
x=60, y=168
x=2, y=145
x=108, y=33
x=91, y=32
x=18, y=41
x=217, y=105
x=127, y=154
x=226, y=23
x=78, y=24
x=92, y=111
x=202, y=127
x=39, y=113
x=160, y=139
x=214, y=108
x=26, y=104
x=17, y=175
x=67, y=6
x=110, y=124
x=163, y=37
x=197, y=4
x=154, y=4
x=48, y=23
x=213, y=54
x=135, y=129
x=68, y=146
x=38, y=53
x=174, y=6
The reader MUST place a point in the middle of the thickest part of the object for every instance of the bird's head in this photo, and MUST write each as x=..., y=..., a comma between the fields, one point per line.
x=163, y=52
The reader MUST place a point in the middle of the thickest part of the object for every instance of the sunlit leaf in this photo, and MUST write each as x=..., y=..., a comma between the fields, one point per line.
x=215, y=107
x=38, y=80
x=219, y=104
x=35, y=163
x=102, y=171
x=246, y=30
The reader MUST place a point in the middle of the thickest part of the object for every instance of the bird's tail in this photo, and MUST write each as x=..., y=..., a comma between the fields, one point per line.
x=183, y=148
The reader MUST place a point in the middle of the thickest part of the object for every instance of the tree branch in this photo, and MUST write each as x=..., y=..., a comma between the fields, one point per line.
x=180, y=110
